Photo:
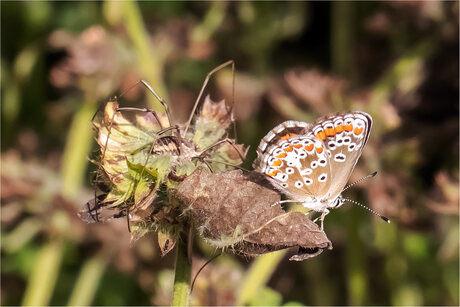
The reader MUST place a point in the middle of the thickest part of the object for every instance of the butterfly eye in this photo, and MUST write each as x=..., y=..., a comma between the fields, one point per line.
x=314, y=164
x=283, y=177
x=322, y=162
x=302, y=155
x=295, y=142
x=290, y=163
x=308, y=181
x=351, y=147
x=289, y=170
x=338, y=203
x=347, y=140
x=277, y=152
x=284, y=185
x=298, y=184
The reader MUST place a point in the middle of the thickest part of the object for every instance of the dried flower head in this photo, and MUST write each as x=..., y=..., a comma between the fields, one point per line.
x=142, y=163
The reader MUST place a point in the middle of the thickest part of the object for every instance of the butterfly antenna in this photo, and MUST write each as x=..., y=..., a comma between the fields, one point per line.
x=360, y=180
x=202, y=267
x=369, y=209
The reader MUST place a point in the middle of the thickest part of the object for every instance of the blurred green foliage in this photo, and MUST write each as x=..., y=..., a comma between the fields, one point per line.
x=61, y=61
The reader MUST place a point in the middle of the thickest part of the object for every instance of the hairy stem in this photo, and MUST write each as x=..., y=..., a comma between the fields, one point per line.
x=182, y=273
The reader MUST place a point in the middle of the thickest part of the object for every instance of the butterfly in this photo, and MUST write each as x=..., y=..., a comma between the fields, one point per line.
x=311, y=163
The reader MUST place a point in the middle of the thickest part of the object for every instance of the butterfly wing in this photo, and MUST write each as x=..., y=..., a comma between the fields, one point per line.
x=314, y=161
x=295, y=163
x=299, y=167
x=344, y=136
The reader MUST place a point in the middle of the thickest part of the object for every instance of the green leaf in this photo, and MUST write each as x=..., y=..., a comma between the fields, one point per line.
x=266, y=297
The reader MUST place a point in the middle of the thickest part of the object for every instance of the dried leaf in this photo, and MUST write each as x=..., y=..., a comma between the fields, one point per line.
x=234, y=210
x=166, y=241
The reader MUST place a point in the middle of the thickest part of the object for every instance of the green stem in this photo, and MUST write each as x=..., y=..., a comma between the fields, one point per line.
x=342, y=37
x=357, y=279
x=79, y=139
x=258, y=275
x=88, y=281
x=151, y=61
x=44, y=275
x=22, y=234
x=182, y=274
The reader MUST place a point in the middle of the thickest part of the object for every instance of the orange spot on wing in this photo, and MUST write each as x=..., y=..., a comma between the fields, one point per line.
x=276, y=163
x=289, y=149
x=329, y=131
x=273, y=173
x=321, y=135
x=339, y=129
x=358, y=131
x=319, y=150
x=285, y=137
x=348, y=127
x=297, y=145
x=282, y=155
x=309, y=147
x=288, y=135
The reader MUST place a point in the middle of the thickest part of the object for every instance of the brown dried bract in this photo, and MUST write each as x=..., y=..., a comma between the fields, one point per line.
x=217, y=111
x=234, y=210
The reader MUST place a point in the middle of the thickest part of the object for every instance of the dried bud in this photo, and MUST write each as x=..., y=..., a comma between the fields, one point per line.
x=212, y=123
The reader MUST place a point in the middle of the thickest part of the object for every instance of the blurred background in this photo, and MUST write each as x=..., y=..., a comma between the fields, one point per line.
x=398, y=61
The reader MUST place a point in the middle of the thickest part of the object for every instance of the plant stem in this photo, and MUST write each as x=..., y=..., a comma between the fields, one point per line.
x=44, y=275
x=182, y=274
x=88, y=282
x=151, y=61
x=342, y=37
x=260, y=272
x=74, y=161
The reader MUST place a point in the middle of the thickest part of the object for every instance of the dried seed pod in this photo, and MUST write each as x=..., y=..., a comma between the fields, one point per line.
x=235, y=211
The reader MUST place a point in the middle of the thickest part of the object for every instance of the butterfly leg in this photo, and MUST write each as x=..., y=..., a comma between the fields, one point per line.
x=285, y=201
x=321, y=218
x=323, y=215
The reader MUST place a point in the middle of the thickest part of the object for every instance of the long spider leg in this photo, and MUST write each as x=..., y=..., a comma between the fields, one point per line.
x=226, y=163
x=130, y=109
x=168, y=129
x=206, y=80
x=226, y=140
x=161, y=100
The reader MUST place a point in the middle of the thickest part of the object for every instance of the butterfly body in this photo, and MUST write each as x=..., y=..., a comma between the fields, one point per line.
x=311, y=163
